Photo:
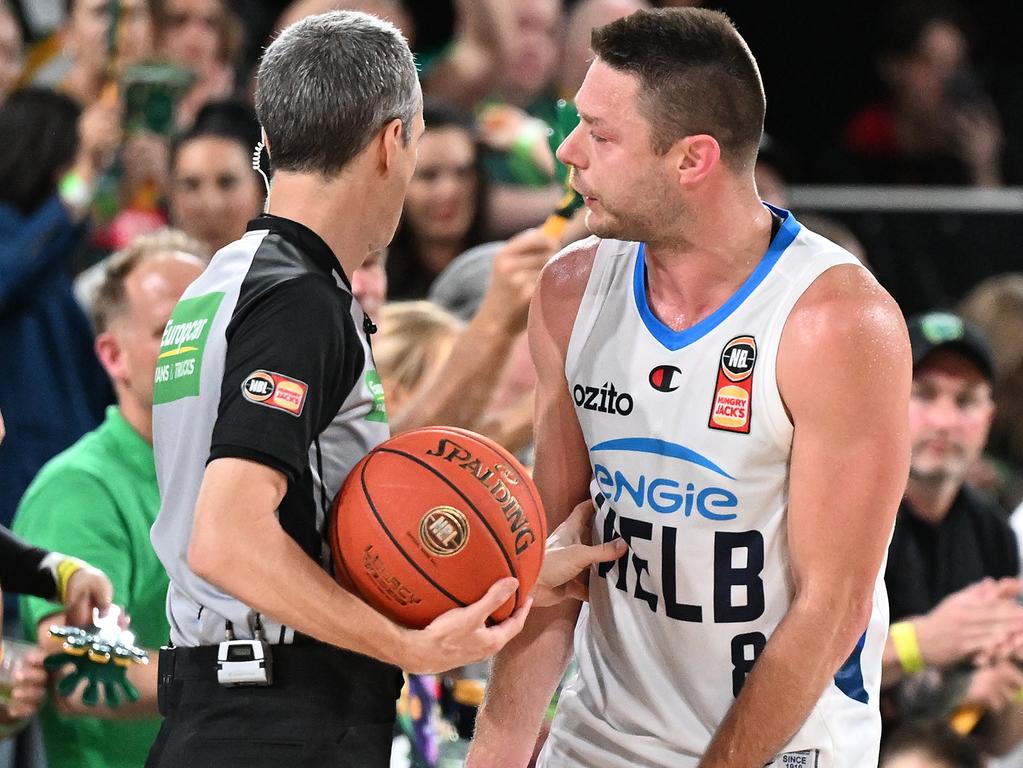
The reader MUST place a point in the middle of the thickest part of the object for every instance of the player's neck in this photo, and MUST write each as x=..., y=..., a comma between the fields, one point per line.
x=335, y=211
x=690, y=273
x=932, y=500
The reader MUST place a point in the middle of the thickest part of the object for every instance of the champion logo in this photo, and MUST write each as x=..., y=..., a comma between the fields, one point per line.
x=665, y=378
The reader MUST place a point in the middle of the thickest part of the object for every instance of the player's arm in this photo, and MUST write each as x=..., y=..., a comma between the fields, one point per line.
x=527, y=671
x=459, y=393
x=849, y=464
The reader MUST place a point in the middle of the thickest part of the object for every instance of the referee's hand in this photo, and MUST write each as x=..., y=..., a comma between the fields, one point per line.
x=461, y=636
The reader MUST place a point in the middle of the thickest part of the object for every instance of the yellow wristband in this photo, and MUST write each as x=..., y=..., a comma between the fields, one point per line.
x=66, y=568
x=907, y=647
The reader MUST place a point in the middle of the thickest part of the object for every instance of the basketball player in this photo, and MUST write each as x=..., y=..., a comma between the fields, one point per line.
x=730, y=391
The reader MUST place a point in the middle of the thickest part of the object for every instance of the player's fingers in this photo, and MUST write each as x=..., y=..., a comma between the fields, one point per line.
x=582, y=512
x=576, y=590
x=585, y=556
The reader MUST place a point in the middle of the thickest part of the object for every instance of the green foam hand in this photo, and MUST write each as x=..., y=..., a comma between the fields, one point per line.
x=100, y=658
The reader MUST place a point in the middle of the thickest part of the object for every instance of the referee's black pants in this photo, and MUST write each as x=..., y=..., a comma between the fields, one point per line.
x=327, y=708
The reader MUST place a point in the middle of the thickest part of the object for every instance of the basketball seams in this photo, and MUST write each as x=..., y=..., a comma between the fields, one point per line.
x=394, y=541
x=494, y=535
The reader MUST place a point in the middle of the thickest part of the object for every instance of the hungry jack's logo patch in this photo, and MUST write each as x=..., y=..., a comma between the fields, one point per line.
x=275, y=390
x=733, y=394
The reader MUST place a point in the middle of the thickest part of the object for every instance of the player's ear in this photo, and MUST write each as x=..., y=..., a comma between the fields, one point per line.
x=695, y=157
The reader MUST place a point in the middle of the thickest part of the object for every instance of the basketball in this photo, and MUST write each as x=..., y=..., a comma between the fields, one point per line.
x=430, y=519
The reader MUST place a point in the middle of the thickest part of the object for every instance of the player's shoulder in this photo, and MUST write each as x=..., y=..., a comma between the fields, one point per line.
x=569, y=269
x=843, y=304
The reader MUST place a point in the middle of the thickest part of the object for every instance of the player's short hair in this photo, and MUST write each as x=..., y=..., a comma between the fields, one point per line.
x=110, y=299
x=326, y=86
x=697, y=76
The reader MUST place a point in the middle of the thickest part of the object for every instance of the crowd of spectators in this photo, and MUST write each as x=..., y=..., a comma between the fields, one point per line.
x=128, y=157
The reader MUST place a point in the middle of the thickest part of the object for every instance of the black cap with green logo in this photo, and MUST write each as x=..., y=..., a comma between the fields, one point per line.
x=934, y=330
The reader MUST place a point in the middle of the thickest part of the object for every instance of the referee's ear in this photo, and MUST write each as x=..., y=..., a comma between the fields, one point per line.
x=392, y=147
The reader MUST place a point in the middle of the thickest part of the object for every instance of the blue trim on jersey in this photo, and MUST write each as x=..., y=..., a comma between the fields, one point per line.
x=849, y=678
x=660, y=448
x=676, y=340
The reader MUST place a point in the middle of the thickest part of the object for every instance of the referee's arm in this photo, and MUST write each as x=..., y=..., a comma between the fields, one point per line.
x=238, y=544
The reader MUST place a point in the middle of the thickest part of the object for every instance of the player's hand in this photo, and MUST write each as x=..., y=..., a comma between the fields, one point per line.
x=87, y=588
x=994, y=687
x=513, y=279
x=28, y=690
x=461, y=636
x=974, y=622
x=569, y=556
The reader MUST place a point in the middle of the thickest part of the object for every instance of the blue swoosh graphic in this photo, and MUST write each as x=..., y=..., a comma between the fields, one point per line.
x=660, y=448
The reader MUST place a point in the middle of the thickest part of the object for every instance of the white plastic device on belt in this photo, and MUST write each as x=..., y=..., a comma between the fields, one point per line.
x=245, y=662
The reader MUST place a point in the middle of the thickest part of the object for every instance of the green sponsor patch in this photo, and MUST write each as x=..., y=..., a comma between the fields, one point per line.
x=379, y=411
x=182, y=346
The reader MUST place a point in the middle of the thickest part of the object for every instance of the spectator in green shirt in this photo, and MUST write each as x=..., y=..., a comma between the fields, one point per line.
x=98, y=499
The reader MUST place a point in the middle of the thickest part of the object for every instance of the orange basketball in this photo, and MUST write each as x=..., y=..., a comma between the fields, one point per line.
x=430, y=519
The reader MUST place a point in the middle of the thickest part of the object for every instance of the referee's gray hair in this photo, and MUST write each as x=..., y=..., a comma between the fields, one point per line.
x=328, y=83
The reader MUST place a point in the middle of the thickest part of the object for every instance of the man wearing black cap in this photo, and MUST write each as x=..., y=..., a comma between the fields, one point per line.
x=953, y=562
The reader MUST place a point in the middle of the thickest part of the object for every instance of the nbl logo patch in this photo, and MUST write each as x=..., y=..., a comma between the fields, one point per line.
x=275, y=391
x=733, y=394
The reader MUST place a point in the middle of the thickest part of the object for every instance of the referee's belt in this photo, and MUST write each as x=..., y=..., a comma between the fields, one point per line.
x=306, y=662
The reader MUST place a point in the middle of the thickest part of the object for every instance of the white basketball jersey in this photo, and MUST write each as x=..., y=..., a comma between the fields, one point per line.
x=690, y=444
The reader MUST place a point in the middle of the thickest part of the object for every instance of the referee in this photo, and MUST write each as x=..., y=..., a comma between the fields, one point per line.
x=264, y=400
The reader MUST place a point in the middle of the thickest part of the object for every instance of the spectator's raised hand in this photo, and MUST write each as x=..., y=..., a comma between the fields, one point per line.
x=513, y=278
x=974, y=622
x=99, y=136
x=146, y=160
